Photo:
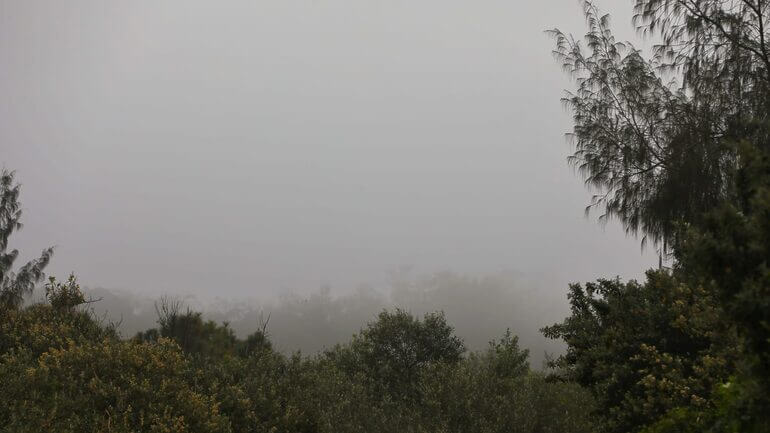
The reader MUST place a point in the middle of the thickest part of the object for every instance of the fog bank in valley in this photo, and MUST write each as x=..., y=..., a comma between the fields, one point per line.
x=480, y=308
x=262, y=148
x=244, y=156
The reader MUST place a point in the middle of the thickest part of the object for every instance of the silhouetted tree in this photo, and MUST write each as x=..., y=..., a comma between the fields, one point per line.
x=188, y=329
x=678, y=145
x=656, y=135
x=14, y=285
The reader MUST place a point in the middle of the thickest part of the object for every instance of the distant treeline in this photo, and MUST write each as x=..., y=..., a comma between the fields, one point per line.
x=478, y=307
x=685, y=163
x=63, y=369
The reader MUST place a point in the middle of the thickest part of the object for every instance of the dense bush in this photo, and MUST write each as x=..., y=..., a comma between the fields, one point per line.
x=62, y=370
x=645, y=349
x=42, y=327
x=684, y=162
x=105, y=386
x=394, y=351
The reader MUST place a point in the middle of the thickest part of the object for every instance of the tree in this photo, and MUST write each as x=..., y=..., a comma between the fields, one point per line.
x=730, y=252
x=678, y=145
x=258, y=341
x=64, y=296
x=55, y=324
x=656, y=135
x=494, y=391
x=505, y=358
x=396, y=348
x=188, y=329
x=62, y=369
x=645, y=349
x=107, y=385
x=14, y=285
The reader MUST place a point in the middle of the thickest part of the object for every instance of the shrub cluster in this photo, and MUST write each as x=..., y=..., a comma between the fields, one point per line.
x=62, y=370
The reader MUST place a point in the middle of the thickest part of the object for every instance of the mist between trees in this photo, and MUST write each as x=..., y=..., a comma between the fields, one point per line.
x=480, y=308
x=683, y=164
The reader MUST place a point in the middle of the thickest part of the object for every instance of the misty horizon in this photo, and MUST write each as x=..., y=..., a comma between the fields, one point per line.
x=356, y=216
x=262, y=149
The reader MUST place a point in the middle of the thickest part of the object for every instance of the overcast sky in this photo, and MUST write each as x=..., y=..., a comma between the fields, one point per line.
x=251, y=147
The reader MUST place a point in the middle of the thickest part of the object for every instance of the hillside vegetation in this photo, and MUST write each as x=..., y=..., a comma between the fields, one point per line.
x=677, y=144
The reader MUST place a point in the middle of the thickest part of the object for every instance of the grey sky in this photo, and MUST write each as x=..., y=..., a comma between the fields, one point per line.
x=246, y=147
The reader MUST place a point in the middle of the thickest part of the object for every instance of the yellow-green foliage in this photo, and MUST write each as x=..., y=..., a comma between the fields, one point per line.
x=64, y=296
x=55, y=324
x=104, y=386
x=40, y=327
x=61, y=370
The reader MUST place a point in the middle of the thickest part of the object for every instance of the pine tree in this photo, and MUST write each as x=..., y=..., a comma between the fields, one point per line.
x=14, y=285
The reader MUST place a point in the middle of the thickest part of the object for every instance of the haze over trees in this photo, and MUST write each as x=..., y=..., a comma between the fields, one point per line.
x=677, y=143
x=477, y=307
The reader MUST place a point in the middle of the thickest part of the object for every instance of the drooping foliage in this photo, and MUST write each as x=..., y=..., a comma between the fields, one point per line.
x=14, y=285
x=679, y=146
x=655, y=136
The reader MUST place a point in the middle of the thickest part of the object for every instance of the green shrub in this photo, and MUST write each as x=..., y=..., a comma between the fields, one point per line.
x=104, y=386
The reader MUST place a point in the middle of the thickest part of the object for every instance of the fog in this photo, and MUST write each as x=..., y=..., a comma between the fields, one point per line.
x=265, y=149
x=479, y=308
